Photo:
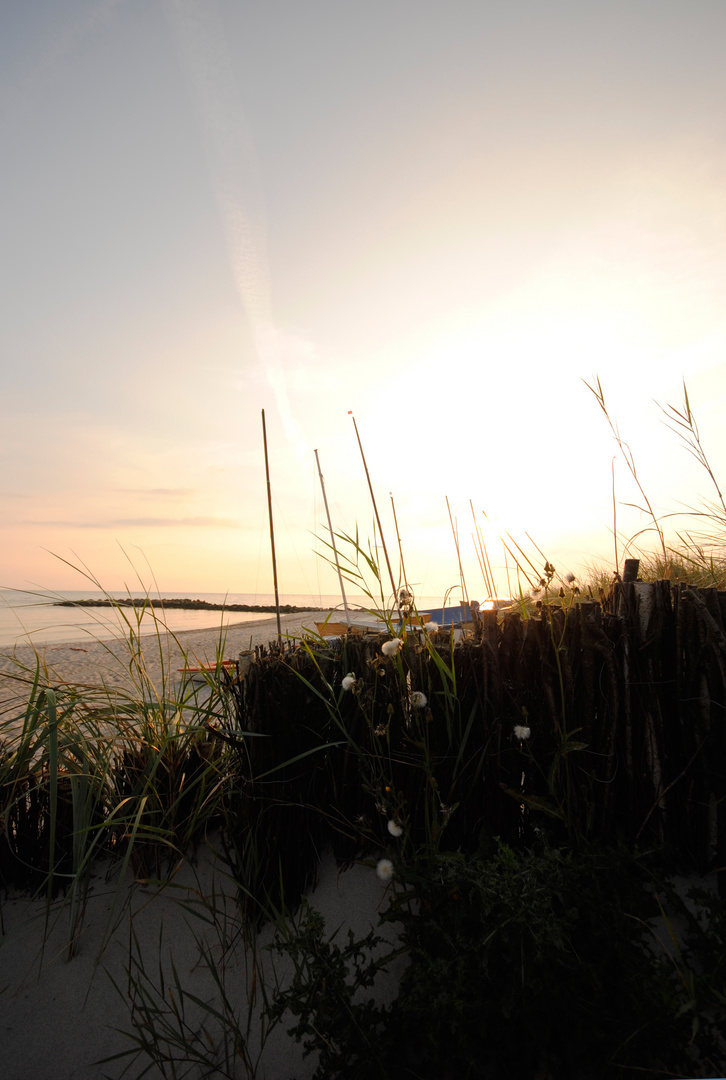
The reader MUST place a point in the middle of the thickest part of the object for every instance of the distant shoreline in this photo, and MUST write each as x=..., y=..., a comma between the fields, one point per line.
x=185, y=604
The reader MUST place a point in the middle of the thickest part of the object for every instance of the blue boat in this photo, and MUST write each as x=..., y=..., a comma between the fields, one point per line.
x=457, y=615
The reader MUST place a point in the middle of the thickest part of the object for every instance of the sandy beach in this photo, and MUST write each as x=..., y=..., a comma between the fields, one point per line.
x=60, y=1016
x=93, y=663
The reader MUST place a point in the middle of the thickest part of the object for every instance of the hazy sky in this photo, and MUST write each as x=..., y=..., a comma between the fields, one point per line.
x=443, y=216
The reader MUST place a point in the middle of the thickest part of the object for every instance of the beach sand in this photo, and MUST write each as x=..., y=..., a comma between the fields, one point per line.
x=91, y=661
x=60, y=1016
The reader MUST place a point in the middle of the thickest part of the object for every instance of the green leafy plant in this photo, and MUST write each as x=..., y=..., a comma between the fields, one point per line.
x=329, y=996
x=523, y=964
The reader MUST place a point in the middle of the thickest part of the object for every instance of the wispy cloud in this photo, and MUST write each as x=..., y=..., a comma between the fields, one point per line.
x=143, y=522
x=236, y=180
x=171, y=494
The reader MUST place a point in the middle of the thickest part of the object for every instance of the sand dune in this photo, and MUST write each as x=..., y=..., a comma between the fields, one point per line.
x=60, y=1016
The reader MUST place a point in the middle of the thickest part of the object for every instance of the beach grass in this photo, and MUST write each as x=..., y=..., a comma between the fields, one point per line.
x=128, y=771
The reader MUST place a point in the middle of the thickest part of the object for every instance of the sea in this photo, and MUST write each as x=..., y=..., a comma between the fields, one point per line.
x=33, y=618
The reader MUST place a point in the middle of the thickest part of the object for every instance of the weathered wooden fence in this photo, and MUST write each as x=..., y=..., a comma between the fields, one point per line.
x=624, y=706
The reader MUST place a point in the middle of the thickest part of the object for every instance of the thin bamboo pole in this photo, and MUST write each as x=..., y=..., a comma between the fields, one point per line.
x=332, y=540
x=400, y=546
x=520, y=568
x=458, y=553
x=480, y=549
x=521, y=552
x=375, y=511
x=272, y=529
x=488, y=562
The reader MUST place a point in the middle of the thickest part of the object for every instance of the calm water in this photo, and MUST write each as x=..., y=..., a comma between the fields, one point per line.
x=26, y=617
x=31, y=617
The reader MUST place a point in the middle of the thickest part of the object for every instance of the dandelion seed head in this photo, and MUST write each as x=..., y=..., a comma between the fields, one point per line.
x=384, y=869
x=431, y=627
x=521, y=732
x=394, y=828
x=569, y=578
x=390, y=648
x=419, y=699
x=349, y=681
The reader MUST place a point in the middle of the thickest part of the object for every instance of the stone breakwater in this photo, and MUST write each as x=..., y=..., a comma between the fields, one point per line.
x=183, y=604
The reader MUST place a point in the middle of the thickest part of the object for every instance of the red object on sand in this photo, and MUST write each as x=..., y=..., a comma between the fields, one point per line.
x=207, y=667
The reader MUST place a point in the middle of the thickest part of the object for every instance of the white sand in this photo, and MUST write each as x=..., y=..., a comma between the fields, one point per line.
x=107, y=662
x=59, y=1017
x=85, y=660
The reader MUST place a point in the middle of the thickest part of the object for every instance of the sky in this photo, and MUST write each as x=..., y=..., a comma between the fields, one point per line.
x=445, y=218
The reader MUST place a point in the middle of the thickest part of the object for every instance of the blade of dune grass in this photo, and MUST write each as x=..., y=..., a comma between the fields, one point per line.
x=179, y=1029
x=53, y=783
x=71, y=745
x=300, y=757
x=357, y=568
x=683, y=423
x=598, y=393
x=123, y=870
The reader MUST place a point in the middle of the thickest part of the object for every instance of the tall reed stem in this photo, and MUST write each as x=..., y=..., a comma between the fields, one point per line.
x=272, y=529
x=375, y=511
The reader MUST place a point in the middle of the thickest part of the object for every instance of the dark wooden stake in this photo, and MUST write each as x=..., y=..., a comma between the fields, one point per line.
x=630, y=570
